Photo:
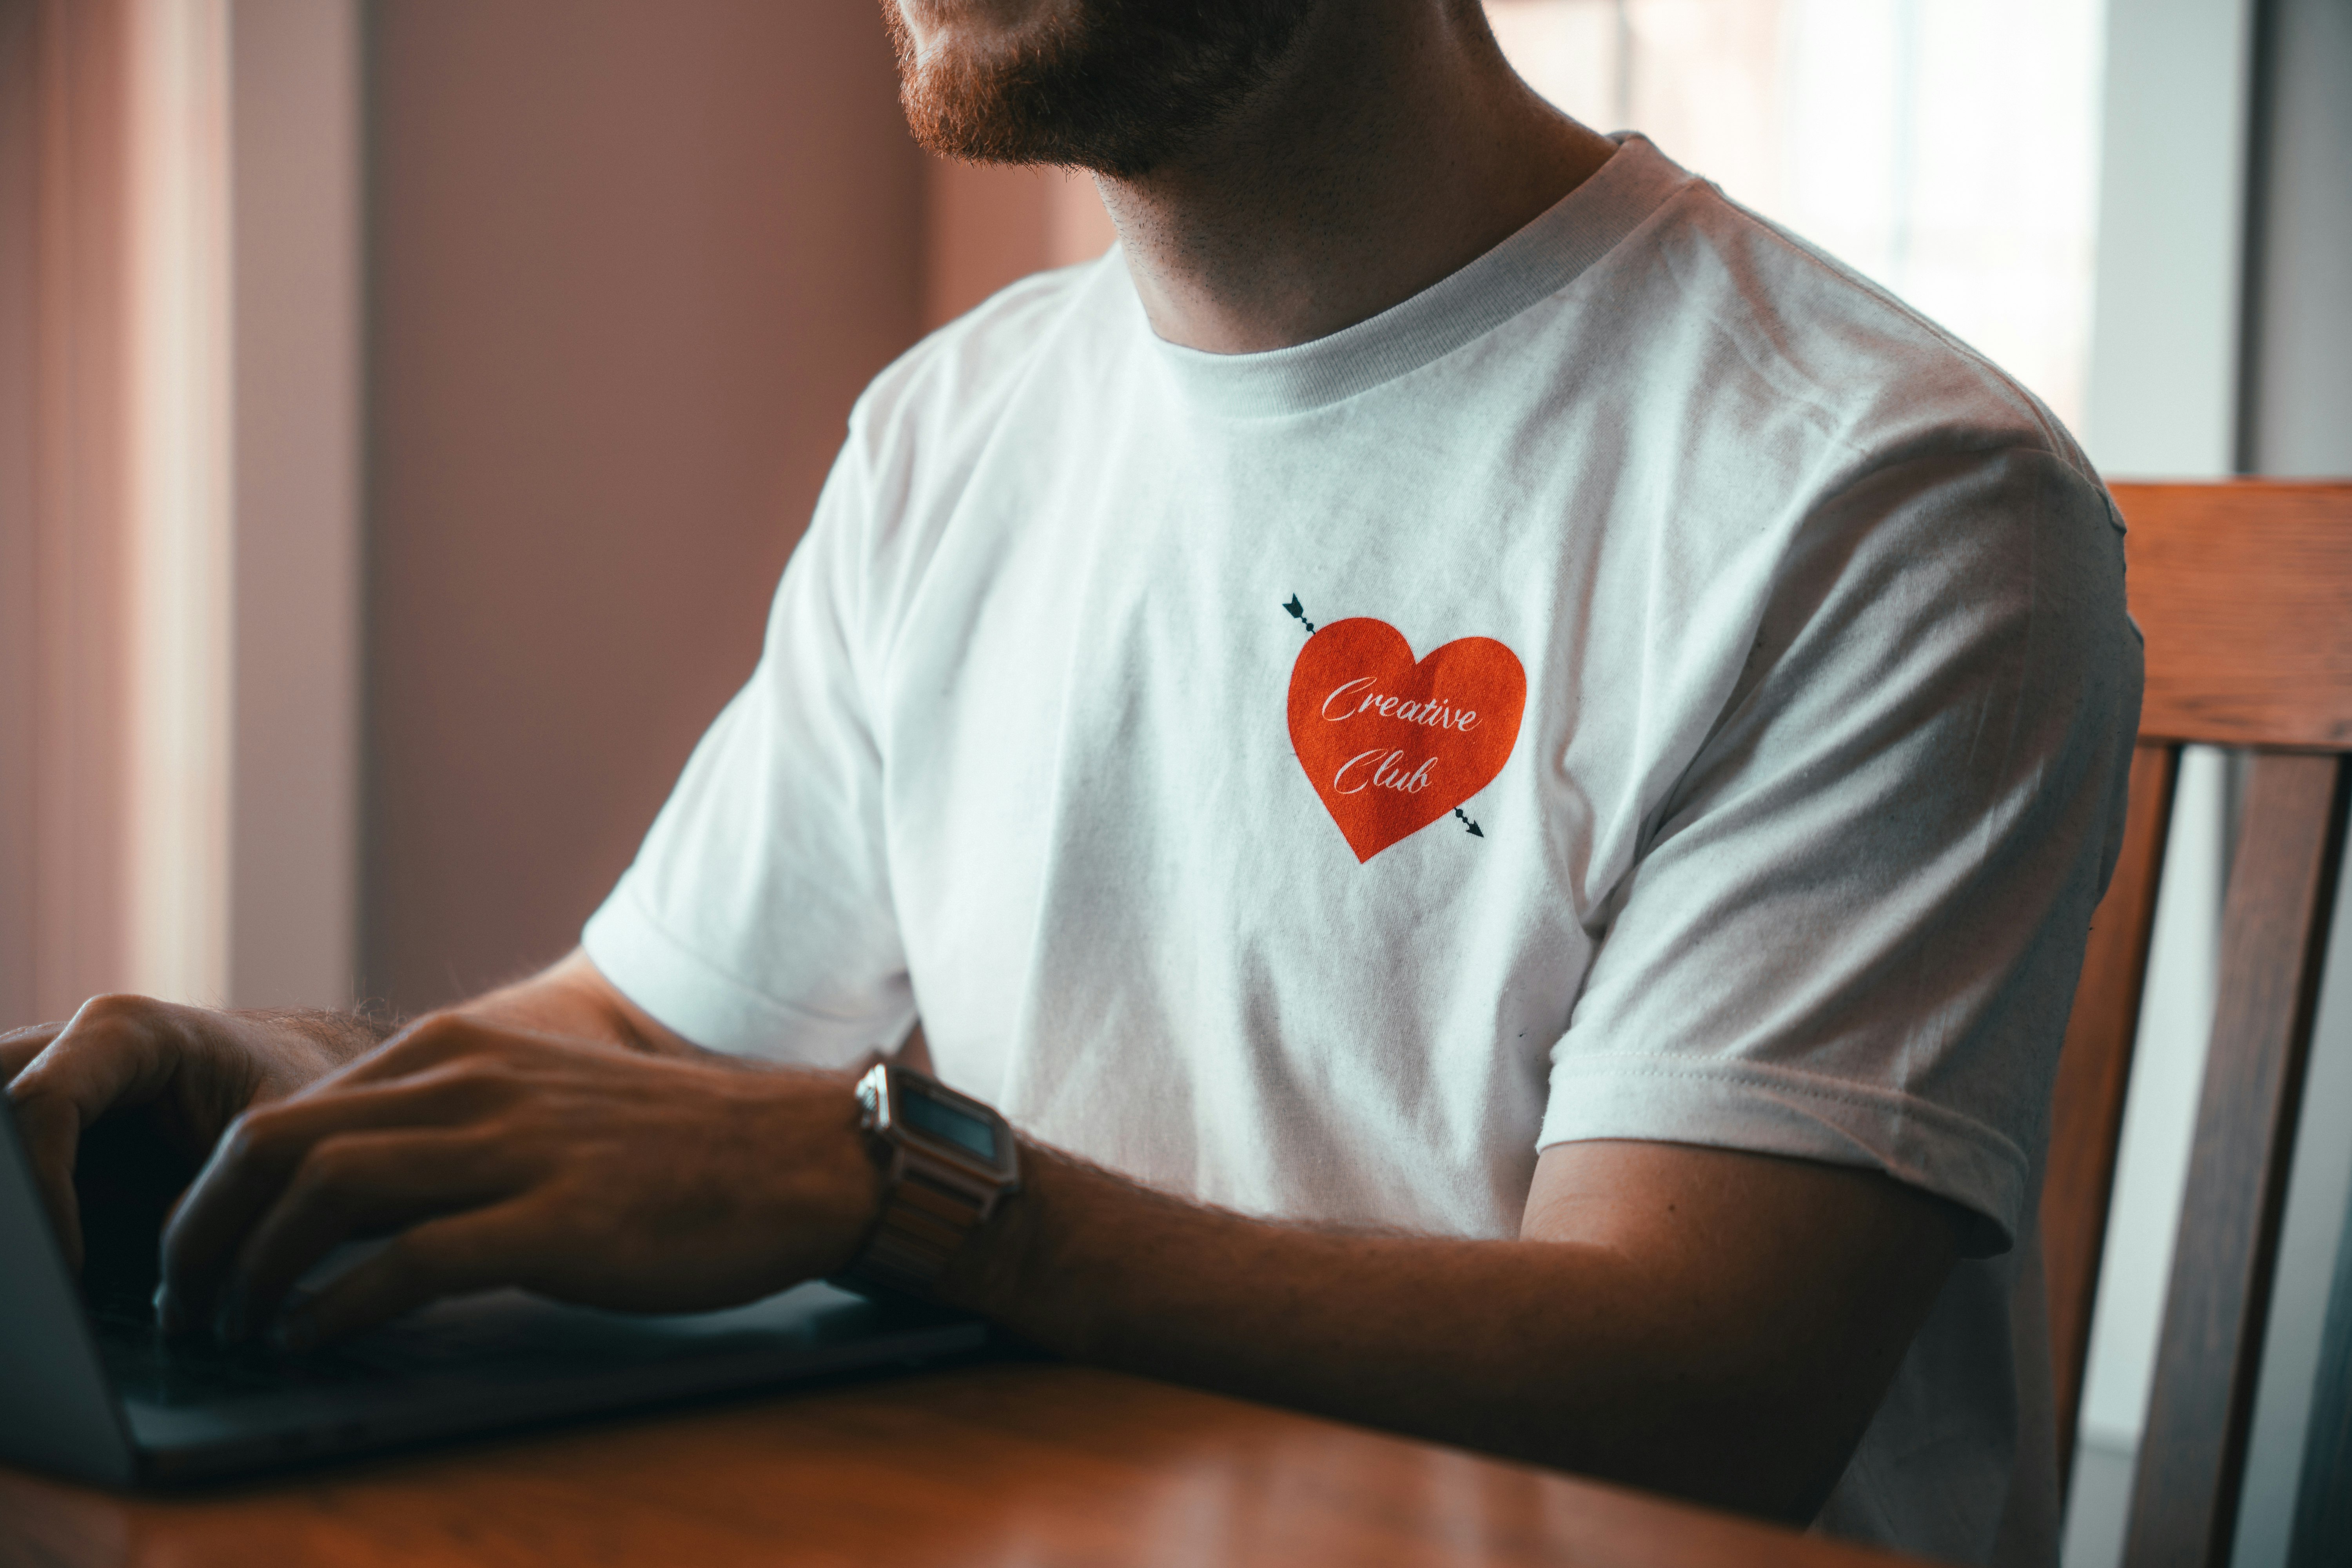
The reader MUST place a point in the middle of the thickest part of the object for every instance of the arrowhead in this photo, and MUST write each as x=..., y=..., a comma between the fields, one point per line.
x=1296, y=608
x=1474, y=833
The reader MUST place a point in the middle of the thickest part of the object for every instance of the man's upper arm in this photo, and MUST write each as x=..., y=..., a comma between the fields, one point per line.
x=1790, y=1288
x=1852, y=933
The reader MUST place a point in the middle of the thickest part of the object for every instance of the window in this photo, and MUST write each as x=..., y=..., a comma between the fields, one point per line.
x=1947, y=149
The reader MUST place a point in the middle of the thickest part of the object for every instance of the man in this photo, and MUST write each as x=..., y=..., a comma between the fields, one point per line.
x=1502, y=769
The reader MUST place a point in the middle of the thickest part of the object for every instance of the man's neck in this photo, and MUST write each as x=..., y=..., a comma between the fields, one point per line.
x=1395, y=148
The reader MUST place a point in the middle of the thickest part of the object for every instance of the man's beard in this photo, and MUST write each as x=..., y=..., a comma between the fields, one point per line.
x=1119, y=87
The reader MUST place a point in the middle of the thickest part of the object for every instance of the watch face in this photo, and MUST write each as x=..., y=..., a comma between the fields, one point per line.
x=935, y=1118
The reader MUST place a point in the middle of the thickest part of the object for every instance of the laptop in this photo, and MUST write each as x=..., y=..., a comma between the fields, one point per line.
x=89, y=1389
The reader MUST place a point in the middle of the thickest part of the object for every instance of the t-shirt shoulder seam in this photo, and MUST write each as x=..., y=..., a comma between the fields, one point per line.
x=2052, y=439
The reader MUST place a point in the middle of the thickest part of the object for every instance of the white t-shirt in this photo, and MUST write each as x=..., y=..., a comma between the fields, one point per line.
x=1649, y=685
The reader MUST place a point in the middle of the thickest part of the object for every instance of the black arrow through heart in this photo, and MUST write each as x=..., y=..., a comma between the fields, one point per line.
x=1298, y=613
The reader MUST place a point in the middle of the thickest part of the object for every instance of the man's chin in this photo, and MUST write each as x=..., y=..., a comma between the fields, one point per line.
x=1115, y=86
x=970, y=72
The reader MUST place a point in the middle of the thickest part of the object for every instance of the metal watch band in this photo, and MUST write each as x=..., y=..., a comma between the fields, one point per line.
x=922, y=1224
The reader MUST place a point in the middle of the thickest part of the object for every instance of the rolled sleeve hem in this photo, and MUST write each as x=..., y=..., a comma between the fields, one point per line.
x=687, y=993
x=1768, y=1109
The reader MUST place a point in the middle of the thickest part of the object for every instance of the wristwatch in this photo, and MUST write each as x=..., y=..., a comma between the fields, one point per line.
x=948, y=1160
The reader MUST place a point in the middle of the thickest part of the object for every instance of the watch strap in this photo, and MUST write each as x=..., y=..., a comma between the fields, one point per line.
x=922, y=1223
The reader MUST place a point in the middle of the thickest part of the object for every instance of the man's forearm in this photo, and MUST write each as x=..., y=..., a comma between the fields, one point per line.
x=1562, y=1353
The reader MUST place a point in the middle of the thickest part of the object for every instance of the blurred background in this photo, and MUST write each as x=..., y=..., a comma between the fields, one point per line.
x=407, y=407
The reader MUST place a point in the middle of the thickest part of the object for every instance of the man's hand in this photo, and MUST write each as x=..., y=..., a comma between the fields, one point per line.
x=495, y=1156
x=159, y=1082
x=180, y=1074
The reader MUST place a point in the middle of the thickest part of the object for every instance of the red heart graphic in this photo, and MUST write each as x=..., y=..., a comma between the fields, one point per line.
x=1391, y=745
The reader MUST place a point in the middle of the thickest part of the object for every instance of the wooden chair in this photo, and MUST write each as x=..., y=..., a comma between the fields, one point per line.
x=2243, y=589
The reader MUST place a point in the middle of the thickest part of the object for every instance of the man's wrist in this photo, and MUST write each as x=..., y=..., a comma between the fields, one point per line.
x=819, y=1120
x=341, y=1036
x=1014, y=1270
x=947, y=1164
x=984, y=1275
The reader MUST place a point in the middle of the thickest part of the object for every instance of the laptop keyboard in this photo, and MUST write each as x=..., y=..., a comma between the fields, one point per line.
x=198, y=1370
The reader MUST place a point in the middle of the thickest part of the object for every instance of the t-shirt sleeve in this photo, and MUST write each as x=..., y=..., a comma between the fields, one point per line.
x=757, y=916
x=1854, y=929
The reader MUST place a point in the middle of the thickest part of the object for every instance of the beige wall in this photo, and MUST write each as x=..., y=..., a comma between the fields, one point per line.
x=629, y=264
x=295, y=120
x=65, y=388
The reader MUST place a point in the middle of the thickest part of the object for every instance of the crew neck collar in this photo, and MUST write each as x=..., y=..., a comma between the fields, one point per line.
x=1539, y=261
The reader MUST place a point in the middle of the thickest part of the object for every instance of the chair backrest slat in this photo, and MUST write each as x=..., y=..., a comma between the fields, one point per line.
x=2088, y=1109
x=2240, y=589
x=2275, y=937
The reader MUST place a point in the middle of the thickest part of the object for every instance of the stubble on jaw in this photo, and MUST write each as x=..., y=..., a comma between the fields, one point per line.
x=1119, y=87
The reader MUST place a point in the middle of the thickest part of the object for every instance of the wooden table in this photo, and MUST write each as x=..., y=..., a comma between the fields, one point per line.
x=1024, y=1464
